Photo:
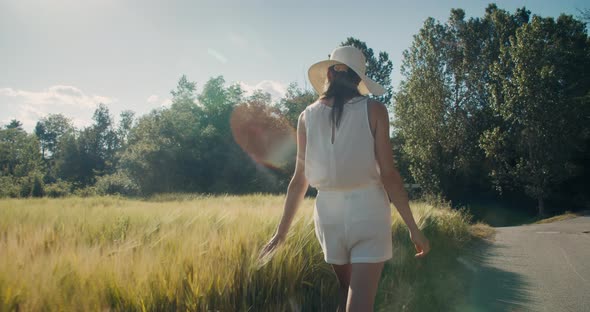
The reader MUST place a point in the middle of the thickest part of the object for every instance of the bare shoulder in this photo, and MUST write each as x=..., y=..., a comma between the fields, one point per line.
x=301, y=121
x=302, y=115
x=377, y=114
x=377, y=108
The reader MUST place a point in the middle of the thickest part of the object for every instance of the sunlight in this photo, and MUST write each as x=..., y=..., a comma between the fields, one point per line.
x=264, y=134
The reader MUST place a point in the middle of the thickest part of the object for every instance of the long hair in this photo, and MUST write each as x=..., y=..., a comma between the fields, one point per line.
x=344, y=86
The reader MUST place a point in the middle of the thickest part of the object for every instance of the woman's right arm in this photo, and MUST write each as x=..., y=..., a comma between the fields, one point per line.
x=295, y=192
x=391, y=179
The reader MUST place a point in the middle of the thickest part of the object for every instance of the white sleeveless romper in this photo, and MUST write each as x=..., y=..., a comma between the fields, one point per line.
x=352, y=215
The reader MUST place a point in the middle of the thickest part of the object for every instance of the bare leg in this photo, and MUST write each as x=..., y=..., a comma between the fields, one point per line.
x=343, y=273
x=363, y=286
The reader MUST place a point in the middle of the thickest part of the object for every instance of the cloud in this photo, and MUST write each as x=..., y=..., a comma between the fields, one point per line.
x=238, y=40
x=166, y=102
x=276, y=89
x=218, y=56
x=252, y=43
x=152, y=99
x=155, y=100
x=30, y=106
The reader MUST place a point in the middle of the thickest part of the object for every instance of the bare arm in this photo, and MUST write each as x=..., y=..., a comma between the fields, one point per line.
x=298, y=185
x=392, y=181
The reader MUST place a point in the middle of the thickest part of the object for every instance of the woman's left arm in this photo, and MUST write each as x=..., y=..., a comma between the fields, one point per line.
x=295, y=192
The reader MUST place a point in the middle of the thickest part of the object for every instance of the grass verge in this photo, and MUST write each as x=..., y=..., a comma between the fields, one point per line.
x=564, y=216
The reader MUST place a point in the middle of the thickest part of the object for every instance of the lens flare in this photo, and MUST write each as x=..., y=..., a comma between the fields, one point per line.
x=265, y=135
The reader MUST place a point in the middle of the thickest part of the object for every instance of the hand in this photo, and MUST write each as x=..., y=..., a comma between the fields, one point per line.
x=420, y=242
x=270, y=247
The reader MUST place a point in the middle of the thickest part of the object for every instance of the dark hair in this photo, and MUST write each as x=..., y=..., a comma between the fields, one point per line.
x=344, y=86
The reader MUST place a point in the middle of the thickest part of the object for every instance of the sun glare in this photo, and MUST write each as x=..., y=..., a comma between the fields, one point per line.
x=264, y=134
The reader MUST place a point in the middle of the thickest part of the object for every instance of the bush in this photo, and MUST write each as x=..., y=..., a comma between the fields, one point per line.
x=38, y=186
x=116, y=183
x=30, y=185
x=59, y=188
x=436, y=200
x=87, y=191
x=9, y=187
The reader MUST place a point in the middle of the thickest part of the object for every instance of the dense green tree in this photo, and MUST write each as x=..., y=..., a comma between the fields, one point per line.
x=169, y=148
x=162, y=152
x=543, y=106
x=126, y=119
x=419, y=106
x=443, y=104
x=69, y=159
x=21, y=165
x=19, y=152
x=49, y=130
x=83, y=155
x=14, y=124
x=102, y=139
x=148, y=153
x=294, y=102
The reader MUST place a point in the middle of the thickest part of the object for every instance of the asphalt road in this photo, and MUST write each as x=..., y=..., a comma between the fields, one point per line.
x=541, y=267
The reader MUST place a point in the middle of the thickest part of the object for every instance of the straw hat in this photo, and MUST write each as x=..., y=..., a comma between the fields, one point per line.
x=351, y=57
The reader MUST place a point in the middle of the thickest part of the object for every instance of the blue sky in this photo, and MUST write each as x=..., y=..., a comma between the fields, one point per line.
x=66, y=56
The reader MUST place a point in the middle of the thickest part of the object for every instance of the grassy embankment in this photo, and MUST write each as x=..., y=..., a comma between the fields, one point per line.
x=179, y=252
x=564, y=216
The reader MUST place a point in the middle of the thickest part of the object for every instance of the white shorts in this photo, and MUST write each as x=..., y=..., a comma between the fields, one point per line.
x=354, y=225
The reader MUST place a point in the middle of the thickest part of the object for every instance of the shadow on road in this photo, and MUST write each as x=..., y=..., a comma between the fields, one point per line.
x=490, y=288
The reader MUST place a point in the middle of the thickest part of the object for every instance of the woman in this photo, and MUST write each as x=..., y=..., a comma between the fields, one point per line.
x=343, y=150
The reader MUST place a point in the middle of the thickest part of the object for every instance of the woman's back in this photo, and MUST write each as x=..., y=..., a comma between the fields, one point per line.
x=352, y=214
x=347, y=162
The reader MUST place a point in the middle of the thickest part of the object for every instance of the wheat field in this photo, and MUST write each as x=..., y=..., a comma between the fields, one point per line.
x=179, y=252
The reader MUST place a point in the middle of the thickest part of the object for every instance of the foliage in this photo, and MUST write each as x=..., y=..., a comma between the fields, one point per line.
x=544, y=78
x=85, y=191
x=488, y=105
x=496, y=102
x=58, y=188
x=116, y=184
x=19, y=153
x=9, y=187
x=294, y=103
x=49, y=130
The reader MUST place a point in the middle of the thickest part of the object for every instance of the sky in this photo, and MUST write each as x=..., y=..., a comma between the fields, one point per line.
x=67, y=56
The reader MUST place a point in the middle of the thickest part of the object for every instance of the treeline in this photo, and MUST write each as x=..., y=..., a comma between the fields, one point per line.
x=488, y=106
x=187, y=147
x=498, y=102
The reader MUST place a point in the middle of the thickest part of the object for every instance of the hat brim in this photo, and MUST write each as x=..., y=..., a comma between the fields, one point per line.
x=318, y=73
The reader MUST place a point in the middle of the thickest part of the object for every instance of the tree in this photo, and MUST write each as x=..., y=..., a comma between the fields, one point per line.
x=15, y=124
x=83, y=155
x=294, y=102
x=379, y=67
x=444, y=104
x=420, y=106
x=164, y=151
x=125, y=124
x=19, y=152
x=50, y=130
x=69, y=161
x=21, y=166
x=543, y=105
